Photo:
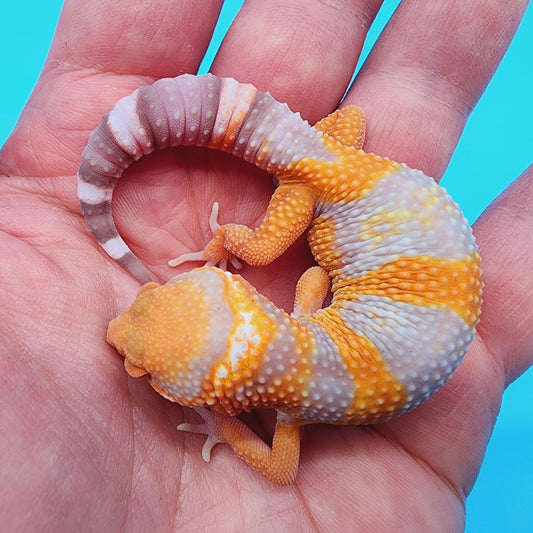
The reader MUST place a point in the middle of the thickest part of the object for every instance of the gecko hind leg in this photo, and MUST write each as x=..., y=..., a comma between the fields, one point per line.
x=288, y=215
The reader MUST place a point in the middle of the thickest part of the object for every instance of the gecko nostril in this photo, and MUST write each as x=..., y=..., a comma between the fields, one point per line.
x=115, y=335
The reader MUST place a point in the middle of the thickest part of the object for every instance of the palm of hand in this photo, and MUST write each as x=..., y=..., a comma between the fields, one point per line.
x=104, y=442
x=99, y=429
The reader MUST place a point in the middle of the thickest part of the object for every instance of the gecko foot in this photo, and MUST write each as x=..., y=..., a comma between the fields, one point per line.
x=204, y=428
x=214, y=253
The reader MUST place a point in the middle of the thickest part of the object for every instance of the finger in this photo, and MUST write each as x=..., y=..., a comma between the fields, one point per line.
x=155, y=38
x=101, y=51
x=303, y=52
x=506, y=245
x=426, y=73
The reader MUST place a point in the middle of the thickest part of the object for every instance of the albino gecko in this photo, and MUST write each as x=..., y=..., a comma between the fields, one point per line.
x=395, y=250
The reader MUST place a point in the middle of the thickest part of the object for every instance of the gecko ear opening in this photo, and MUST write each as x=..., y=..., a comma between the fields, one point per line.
x=134, y=371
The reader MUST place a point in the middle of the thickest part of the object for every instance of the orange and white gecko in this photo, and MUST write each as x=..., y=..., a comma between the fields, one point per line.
x=396, y=251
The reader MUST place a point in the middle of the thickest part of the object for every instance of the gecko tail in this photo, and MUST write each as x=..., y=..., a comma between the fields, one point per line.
x=103, y=228
x=219, y=113
x=96, y=209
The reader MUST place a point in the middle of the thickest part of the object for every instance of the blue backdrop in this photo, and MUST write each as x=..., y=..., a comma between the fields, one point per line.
x=500, y=124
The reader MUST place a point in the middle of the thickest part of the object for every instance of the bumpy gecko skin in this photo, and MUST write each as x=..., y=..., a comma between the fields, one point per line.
x=395, y=250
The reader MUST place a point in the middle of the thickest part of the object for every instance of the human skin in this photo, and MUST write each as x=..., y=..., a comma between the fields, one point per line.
x=85, y=447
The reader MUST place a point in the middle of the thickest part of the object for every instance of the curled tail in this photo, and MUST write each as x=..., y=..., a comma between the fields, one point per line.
x=219, y=113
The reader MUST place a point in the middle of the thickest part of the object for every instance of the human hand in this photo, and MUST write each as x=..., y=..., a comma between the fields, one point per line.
x=82, y=442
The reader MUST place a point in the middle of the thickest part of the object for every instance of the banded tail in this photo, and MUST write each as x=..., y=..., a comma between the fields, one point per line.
x=219, y=113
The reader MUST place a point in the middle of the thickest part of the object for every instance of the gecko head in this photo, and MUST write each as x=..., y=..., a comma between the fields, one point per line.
x=176, y=332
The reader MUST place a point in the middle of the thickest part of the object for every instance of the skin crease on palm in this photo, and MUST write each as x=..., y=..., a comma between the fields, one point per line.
x=85, y=447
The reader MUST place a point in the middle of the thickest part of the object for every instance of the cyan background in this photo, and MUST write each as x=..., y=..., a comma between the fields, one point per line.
x=496, y=147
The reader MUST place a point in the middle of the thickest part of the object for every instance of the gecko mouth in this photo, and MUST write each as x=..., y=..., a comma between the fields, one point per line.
x=116, y=337
x=134, y=371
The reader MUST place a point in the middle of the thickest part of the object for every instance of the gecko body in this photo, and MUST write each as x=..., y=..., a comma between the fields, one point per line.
x=395, y=250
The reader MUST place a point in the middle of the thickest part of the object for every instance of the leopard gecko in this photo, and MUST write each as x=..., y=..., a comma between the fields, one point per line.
x=391, y=247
